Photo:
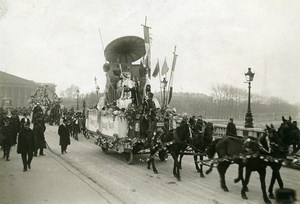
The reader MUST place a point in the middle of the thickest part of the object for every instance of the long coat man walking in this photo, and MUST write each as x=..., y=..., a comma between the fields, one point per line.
x=26, y=145
x=7, y=138
x=64, y=136
x=39, y=137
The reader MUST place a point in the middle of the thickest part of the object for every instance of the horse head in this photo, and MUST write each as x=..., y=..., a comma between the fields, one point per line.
x=276, y=144
x=290, y=133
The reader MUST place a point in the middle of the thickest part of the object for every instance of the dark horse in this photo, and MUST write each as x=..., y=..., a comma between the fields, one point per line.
x=270, y=145
x=200, y=141
x=287, y=134
x=229, y=149
x=176, y=142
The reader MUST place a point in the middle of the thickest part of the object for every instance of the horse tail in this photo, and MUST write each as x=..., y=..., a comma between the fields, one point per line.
x=211, y=150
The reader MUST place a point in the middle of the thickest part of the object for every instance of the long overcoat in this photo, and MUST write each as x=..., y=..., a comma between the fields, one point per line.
x=25, y=141
x=64, y=135
x=39, y=137
x=6, y=136
x=15, y=127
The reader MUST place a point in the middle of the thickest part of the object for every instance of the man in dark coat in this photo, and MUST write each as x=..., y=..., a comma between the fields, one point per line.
x=231, y=129
x=64, y=136
x=7, y=138
x=26, y=145
x=15, y=125
x=39, y=137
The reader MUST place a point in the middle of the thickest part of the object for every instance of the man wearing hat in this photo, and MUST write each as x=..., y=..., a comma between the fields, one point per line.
x=26, y=145
x=64, y=136
x=231, y=129
x=39, y=137
x=7, y=138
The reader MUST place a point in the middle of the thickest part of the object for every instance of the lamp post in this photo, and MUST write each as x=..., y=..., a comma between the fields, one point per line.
x=164, y=84
x=77, y=92
x=249, y=118
x=97, y=91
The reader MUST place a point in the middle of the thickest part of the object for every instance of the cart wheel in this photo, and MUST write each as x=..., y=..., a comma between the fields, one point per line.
x=128, y=157
x=104, y=150
x=163, y=155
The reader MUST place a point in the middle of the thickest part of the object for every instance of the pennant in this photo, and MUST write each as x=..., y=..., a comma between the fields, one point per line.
x=164, y=68
x=156, y=70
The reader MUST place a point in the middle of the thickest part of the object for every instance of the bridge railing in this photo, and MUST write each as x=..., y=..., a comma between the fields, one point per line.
x=220, y=131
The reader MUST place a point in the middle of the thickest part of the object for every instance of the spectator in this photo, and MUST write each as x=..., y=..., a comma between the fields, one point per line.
x=231, y=129
x=64, y=136
x=7, y=138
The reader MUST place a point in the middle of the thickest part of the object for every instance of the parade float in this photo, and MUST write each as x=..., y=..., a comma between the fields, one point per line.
x=119, y=122
x=45, y=102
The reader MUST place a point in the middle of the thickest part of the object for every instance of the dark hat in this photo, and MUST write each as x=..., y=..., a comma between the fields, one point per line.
x=65, y=120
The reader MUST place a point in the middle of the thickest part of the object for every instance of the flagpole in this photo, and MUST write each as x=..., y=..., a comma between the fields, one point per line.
x=159, y=75
x=171, y=76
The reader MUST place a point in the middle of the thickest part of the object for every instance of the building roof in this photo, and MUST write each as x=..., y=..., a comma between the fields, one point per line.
x=9, y=78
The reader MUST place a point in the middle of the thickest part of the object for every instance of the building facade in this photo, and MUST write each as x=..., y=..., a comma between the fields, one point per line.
x=17, y=89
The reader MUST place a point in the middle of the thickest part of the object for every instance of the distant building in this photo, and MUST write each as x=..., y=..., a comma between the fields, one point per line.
x=17, y=89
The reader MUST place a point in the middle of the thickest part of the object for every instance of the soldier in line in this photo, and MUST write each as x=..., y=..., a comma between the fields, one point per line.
x=26, y=145
x=39, y=137
x=64, y=136
x=231, y=129
x=7, y=138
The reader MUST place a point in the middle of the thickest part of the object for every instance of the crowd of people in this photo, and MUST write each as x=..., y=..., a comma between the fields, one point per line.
x=30, y=142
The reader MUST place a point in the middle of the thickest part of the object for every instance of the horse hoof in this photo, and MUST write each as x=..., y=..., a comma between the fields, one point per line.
x=244, y=197
x=155, y=172
x=148, y=167
x=271, y=195
x=267, y=201
x=178, y=179
x=225, y=189
x=202, y=176
x=236, y=180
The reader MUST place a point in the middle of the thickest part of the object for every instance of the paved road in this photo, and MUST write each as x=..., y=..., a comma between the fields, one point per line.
x=106, y=178
x=50, y=180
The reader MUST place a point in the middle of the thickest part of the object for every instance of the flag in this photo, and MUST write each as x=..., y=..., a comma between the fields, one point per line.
x=172, y=76
x=156, y=70
x=147, y=57
x=164, y=68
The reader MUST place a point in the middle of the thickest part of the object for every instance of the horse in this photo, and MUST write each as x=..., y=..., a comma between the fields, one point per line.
x=287, y=134
x=176, y=141
x=229, y=149
x=200, y=141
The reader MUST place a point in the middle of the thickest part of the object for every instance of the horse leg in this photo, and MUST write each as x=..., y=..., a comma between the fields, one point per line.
x=176, y=171
x=262, y=176
x=240, y=175
x=196, y=162
x=201, y=167
x=222, y=168
x=152, y=160
x=180, y=159
x=245, y=183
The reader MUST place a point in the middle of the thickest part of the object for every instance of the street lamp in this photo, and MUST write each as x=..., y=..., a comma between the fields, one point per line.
x=97, y=91
x=164, y=84
x=249, y=118
x=77, y=92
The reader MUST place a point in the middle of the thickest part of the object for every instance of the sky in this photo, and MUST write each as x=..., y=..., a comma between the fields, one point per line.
x=58, y=41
